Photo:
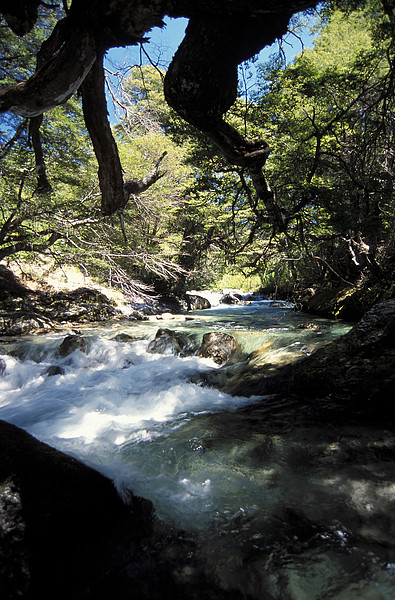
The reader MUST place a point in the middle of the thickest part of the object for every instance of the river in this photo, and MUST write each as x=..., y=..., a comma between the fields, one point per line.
x=281, y=506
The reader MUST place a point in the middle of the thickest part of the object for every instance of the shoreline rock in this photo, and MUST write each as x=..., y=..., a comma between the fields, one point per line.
x=65, y=532
x=355, y=372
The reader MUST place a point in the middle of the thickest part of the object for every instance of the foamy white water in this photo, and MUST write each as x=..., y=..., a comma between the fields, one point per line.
x=114, y=396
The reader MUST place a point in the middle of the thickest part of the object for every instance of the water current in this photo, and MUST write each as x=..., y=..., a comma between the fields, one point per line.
x=281, y=507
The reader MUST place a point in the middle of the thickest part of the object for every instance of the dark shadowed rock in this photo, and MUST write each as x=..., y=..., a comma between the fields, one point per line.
x=195, y=302
x=220, y=347
x=23, y=322
x=54, y=370
x=10, y=285
x=23, y=312
x=72, y=343
x=65, y=533
x=231, y=298
x=82, y=305
x=59, y=520
x=3, y=366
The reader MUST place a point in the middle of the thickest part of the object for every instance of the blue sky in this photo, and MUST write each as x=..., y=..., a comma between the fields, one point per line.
x=164, y=42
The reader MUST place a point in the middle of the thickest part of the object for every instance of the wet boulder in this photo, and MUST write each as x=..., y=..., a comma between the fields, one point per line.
x=54, y=370
x=60, y=521
x=231, y=298
x=195, y=302
x=3, y=366
x=72, y=343
x=123, y=337
x=218, y=346
x=166, y=341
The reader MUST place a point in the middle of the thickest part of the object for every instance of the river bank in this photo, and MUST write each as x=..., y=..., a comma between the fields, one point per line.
x=340, y=300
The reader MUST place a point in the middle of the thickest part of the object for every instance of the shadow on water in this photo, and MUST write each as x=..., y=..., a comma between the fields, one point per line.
x=303, y=509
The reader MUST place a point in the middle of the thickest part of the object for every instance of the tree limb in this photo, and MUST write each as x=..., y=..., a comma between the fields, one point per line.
x=29, y=247
x=94, y=106
x=138, y=186
x=56, y=80
x=43, y=185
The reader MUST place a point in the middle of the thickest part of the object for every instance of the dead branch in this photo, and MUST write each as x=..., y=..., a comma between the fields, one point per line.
x=138, y=186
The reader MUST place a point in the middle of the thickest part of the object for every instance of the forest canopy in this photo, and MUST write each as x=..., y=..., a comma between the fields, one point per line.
x=291, y=183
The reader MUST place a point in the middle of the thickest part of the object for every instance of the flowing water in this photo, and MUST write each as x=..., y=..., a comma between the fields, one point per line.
x=282, y=506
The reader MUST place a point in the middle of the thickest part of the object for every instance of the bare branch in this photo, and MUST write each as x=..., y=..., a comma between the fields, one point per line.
x=4, y=150
x=138, y=186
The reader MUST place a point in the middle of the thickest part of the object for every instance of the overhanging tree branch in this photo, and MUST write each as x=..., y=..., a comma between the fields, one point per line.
x=28, y=246
x=94, y=106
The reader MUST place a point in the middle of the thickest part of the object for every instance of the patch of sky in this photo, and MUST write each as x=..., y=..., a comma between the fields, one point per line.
x=162, y=44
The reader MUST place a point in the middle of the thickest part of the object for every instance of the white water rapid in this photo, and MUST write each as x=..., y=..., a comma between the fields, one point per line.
x=280, y=510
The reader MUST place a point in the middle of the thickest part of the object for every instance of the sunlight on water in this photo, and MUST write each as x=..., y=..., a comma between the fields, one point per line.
x=282, y=508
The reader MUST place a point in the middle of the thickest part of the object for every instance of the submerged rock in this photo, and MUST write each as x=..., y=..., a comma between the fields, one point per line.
x=123, y=337
x=55, y=370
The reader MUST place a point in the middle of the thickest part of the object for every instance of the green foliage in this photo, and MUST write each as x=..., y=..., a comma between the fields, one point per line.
x=330, y=121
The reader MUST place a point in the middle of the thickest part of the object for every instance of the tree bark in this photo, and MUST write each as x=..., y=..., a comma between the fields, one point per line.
x=43, y=185
x=55, y=81
x=95, y=114
x=201, y=85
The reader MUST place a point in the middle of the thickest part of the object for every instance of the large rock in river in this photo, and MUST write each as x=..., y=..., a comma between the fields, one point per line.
x=195, y=302
x=72, y=343
x=65, y=533
x=166, y=340
x=218, y=346
x=61, y=523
